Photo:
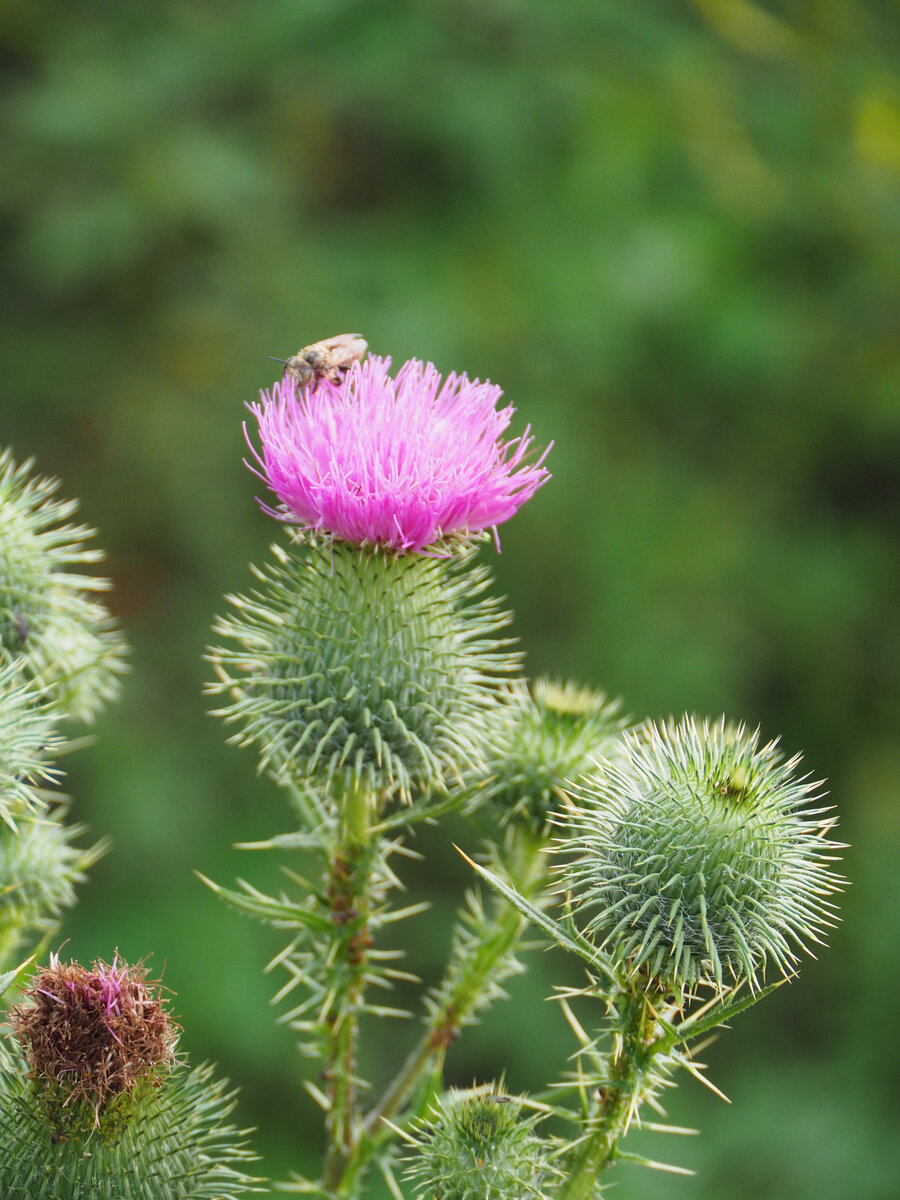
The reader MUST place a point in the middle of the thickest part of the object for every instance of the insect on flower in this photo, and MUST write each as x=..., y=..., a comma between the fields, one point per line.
x=330, y=359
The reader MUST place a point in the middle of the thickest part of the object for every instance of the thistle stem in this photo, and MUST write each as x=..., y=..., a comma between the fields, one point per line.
x=629, y=1068
x=349, y=896
x=527, y=867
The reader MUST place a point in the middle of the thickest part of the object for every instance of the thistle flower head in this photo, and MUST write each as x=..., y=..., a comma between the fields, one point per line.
x=51, y=622
x=401, y=462
x=91, y=1035
x=541, y=739
x=362, y=668
x=699, y=856
x=477, y=1145
x=94, y=1111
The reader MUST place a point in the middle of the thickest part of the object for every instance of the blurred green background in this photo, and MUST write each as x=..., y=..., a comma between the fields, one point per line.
x=670, y=231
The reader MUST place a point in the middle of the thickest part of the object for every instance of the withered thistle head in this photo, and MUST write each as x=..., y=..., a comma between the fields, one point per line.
x=94, y=1034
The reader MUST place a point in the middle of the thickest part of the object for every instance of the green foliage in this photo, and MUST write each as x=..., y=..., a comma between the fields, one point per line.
x=699, y=856
x=363, y=668
x=174, y=1145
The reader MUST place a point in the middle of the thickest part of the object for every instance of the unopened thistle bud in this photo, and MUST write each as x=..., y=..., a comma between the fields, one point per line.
x=27, y=738
x=478, y=1145
x=39, y=868
x=51, y=622
x=93, y=1105
x=363, y=668
x=543, y=739
x=699, y=856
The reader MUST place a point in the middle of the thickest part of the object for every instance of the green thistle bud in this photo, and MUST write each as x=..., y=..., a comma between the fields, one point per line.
x=701, y=855
x=50, y=619
x=39, y=868
x=477, y=1145
x=362, y=668
x=26, y=739
x=542, y=739
x=103, y=1112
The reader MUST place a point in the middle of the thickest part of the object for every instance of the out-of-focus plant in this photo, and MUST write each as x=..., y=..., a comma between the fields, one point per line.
x=93, y=1103
x=682, y=863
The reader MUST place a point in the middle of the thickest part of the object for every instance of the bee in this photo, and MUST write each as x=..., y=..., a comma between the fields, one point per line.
x=330, y=359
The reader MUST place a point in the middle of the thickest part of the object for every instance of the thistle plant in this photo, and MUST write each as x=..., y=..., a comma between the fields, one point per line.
x=61, y=657
x=685, y=864
x=94, y=1104
x=51, y=621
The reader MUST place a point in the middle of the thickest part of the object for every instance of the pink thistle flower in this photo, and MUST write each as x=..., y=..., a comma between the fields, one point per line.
x=395, y=462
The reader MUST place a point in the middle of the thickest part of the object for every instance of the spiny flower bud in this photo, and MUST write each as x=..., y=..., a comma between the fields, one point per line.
x=93, y=1105
x=541, y=739
x=27, y=738
x=39, y=868
x=50, y=619
x=701, y=856
x=91, y=1035
x=477, y=1145
x=363, y=668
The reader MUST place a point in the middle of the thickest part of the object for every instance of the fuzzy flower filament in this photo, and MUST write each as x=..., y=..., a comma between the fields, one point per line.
x=400, y=462
x=93, y=1033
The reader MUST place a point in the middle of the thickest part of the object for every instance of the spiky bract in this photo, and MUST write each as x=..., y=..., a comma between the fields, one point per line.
x=39, y=868
x=700, y=855
x=363, y=668
x=542, y=739
x=169, y=1143
x=478, y=1145
x=50, y=618
x=26, y=738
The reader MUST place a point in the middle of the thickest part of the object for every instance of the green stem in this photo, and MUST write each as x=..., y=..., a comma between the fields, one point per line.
x=349, y=895
x=629, y=1070
x=528, y=869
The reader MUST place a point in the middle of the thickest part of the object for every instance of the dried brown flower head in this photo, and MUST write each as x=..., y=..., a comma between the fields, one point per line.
x=94, y=1034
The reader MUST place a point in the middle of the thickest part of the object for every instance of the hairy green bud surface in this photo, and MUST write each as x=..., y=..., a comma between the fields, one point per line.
x=50, y=619
x=701, y=856
x=477, y=1145
x=543, y=738
x=363, y=668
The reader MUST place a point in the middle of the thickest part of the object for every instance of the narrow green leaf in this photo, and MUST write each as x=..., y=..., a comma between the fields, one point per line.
x=553, y=930
x=9, y=977
x=278, y=913
x=712, y=1019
